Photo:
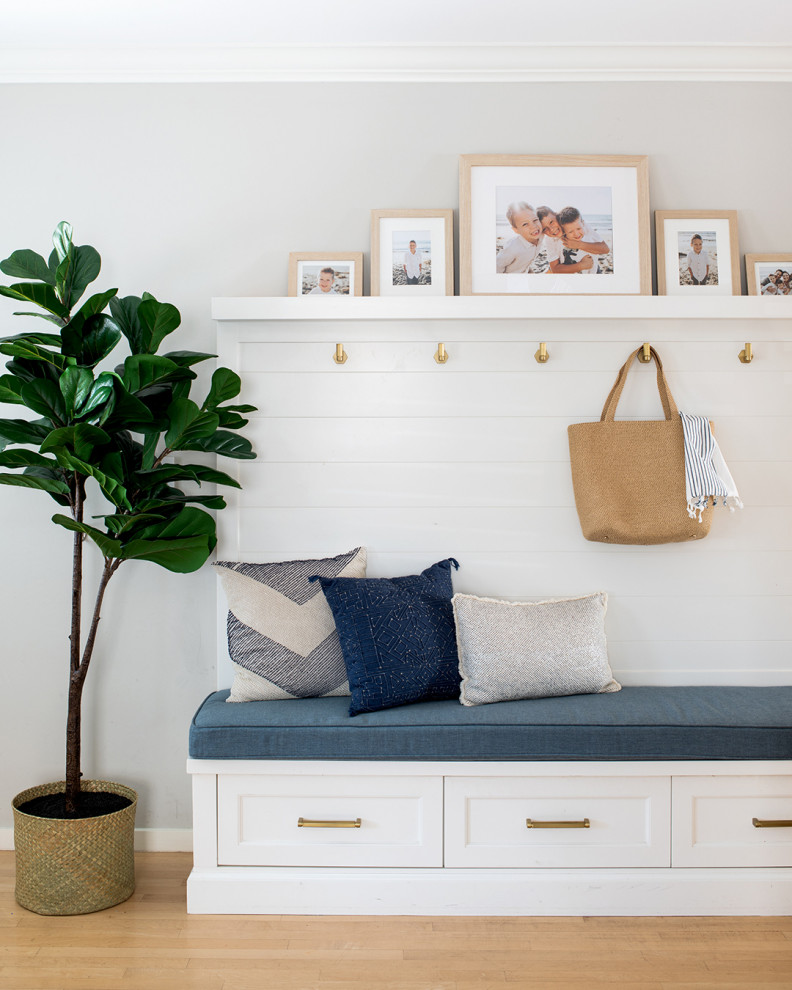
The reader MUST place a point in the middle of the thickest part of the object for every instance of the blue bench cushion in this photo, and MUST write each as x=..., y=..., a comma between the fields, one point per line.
x=637, y=723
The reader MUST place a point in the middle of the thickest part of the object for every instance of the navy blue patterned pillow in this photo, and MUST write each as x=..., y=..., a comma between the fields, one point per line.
x=397, y=637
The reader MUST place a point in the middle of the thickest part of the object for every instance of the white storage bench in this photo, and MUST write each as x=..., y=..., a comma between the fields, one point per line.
x=649, y=801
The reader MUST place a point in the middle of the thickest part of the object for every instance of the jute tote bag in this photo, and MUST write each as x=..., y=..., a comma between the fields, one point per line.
x=629, y=475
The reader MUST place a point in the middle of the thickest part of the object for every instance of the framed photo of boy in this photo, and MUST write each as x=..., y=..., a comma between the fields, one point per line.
x=554, y=225
x=697, y=253
x=769, y=274
x=412, y=252
x=336, y=274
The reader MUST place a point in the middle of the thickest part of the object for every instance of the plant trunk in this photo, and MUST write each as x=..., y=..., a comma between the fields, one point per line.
x=78, y=666
x=76, y=683
x=73, y=716
x=73, y=740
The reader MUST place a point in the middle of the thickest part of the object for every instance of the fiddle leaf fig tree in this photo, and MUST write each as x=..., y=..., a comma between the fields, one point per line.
x=115, y=431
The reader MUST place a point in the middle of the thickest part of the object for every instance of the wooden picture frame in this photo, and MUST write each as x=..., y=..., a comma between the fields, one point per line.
x=422, y=240
x=675, y=231
x=306, y=268
x=609, y=195
x=761, y=270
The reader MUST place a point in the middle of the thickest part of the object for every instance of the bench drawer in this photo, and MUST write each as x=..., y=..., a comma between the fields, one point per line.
x=329, y=821
x=714, y=821
x=574, y=821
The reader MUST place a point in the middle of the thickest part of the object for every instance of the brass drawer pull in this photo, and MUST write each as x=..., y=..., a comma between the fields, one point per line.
x=530, y=823
x=310, y=823
x=778, y=823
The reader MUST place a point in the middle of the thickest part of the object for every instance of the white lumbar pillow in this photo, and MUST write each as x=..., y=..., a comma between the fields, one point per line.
x=514, y=650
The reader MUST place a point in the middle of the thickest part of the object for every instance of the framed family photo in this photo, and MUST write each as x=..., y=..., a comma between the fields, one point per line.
x=554, y=225
x=412, y=252
x=697, y=253
x=334, y=274
x=769, y=274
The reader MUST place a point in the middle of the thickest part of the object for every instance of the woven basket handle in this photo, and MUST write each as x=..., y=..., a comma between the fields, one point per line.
x=669, y=406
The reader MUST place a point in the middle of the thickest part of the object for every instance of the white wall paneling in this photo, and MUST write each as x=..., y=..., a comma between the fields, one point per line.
x=217, y=216
x=418, y=461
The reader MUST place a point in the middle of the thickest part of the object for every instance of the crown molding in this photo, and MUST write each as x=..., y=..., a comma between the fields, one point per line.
x=400, y=63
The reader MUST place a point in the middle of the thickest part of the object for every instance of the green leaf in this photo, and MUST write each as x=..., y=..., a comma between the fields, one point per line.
x=188, y=424
x=43, y=316
x=84, y=268
x=240, y=409
x=102, y=390
x=173, y=496
x=25, y=458
x=45, y=339
x=100, y=337
x=109, y=547
x=124, y=523
x=33, y=352
x=27, y=264
x=81, y=439
x=150, y=443
x=49, y=475
x=167, y=473
x=24, y=431
x=90, y=335
x=225, y=385
x=181, y=556
x=40, y=295
x=180, y=544
x=127, y=411
x=62, y=241
x=29, y=371
x=187, y=358
x=181, y=390
x=141, y=371
x=231, y=420
x=187, y=522
x=75, y=385
x=45, y=398
x=157, y=320
x=111, y=488
x=225, y=444
x=30, y=481
x=10, y=387
x=125, y=312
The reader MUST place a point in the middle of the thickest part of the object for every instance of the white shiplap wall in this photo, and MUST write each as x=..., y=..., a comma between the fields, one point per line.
x=420, y=461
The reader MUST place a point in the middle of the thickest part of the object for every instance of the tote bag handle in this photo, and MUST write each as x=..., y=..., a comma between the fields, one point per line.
x=669, y=406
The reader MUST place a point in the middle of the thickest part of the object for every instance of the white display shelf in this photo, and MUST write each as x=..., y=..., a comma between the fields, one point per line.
x=501, y=308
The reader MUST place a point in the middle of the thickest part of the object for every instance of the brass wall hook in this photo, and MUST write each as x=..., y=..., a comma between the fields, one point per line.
x=646, y=354
x=340, y=355
x=441, y=355
x=541, y=355
x=746, y=355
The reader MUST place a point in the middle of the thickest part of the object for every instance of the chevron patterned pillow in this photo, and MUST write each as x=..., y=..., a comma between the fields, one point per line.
x=282, y=637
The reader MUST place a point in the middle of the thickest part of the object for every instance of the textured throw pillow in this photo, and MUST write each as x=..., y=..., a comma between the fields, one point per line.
x=513, y=650
x=281, y=634
x=397, y=637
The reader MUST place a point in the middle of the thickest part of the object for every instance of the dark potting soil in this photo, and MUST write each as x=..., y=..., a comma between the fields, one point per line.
x=90, y=804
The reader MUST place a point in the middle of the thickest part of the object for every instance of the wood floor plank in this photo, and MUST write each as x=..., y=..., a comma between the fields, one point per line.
x=151, y=943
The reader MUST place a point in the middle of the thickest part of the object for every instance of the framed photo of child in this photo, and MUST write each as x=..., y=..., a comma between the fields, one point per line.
x=335, y=274
x=769, y=274
x=554, y=225
x=697, y=253
x=412, y=252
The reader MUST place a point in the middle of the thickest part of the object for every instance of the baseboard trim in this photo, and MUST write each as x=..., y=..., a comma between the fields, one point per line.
x=146, y=839
x=518, y=892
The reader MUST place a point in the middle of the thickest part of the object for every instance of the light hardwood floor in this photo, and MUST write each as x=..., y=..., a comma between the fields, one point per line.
x=150, y=943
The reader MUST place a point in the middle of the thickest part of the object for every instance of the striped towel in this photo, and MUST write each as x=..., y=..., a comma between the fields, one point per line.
x=706, y=474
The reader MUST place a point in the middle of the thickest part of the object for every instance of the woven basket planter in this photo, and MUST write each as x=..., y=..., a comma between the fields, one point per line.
x=74, y=866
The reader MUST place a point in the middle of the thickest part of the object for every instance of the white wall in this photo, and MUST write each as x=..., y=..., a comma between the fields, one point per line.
x=198, y=191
